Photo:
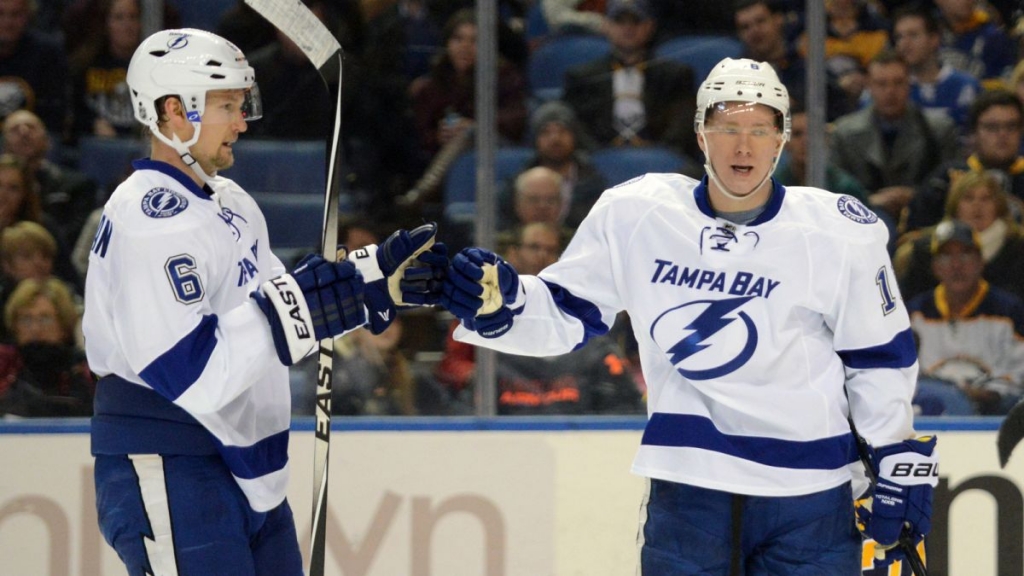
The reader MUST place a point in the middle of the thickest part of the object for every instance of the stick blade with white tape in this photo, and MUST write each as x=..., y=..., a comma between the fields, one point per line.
x=322, y=49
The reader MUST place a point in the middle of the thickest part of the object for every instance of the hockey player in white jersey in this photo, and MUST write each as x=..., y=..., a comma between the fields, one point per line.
x=191, y=321
x=765, y=316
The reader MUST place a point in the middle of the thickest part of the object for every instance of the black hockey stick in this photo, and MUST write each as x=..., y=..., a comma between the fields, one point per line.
x=1010, y=433
x=906, y=541
x=322, y=49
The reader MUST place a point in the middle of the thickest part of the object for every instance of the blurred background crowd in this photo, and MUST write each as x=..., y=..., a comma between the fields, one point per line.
x=925, y=112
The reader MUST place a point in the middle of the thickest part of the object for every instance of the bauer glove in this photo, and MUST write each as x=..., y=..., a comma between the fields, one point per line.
x=479, y=289
x=405, y=270
x=318, y=300
x=900, y=501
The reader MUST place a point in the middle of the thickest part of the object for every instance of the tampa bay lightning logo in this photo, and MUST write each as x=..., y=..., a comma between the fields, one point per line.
x=177, y=41
x=686, y=331
x=163, y=203
x=854, y=210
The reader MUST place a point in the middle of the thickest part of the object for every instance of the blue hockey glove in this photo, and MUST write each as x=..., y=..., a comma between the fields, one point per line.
x=901, y=498
x=478, y=289
x=318, y=300
x=405, y=270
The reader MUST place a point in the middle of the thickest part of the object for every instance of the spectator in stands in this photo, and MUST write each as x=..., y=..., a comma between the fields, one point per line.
x=379, y=156
x=761, y=27
x=969, y=332
x=574, y=16
x=917, y=38
x=591, y=380
x=627, y=99
x=43, y=373
x=977, y=199
x=891, y=145
x=792, y=169
x=33, y=67
x=974, y=42
x=66, y=196
x=27, y=250
x=403, y=37
x=18, y=199
x=444, y=100
x=402, y=40
x=102, y=104
x=561, y=145
x=994, y=124
x=82, y=20
x=855, y=34
x=538, y=197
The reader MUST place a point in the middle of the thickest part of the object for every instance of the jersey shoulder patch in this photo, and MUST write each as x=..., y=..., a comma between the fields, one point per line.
x=163, y=202
x=855, y=210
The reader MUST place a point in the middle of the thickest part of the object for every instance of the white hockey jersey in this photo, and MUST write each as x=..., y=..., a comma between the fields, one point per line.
x=167, y=309
x=750, y=336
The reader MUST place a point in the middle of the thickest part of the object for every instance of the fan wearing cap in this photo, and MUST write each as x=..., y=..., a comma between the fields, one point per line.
x=765, y=317
x=970, y=333
x=627, y=97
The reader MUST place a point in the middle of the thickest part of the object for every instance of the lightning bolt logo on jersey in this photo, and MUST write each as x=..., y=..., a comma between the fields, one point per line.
x=705, y=324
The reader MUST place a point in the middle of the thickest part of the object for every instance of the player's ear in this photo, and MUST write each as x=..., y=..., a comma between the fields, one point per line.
x=700, y=142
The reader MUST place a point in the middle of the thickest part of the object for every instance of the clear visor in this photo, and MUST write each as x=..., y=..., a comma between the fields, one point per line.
x=252, y=108
x=228, y=106
x=736, y=118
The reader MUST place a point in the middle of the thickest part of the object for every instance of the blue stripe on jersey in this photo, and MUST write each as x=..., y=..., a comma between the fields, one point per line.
x=582, y=310
x=900, y=352
x=178, y=368
x=182, y=178
x=700, y=196
x=262, y=458
x=692, y=431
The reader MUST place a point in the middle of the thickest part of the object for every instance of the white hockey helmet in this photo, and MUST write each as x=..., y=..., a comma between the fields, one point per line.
x=187, y=63
x=743, y=80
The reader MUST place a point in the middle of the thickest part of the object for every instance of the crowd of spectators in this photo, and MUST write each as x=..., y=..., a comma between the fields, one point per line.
x=925, y=123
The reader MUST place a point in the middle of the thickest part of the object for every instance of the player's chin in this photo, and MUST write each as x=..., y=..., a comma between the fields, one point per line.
x=226, y=158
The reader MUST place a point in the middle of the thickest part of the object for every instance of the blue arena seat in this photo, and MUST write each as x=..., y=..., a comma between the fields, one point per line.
x=549, y=62
x=109, y=160
x=280, y=166
x=620, y=164
x=700, y=52
x=460, y=182
x=202, y=14
x=294, y=221
x=537, y=28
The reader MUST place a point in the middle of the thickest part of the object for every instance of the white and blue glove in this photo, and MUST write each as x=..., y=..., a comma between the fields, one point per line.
x=900, y=501
x=318, y=300
x=479, y=289
x=405, y=270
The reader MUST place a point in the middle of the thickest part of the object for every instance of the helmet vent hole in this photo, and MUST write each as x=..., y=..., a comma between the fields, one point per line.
x=217, y=76
x=158, y=53
x=212, y=63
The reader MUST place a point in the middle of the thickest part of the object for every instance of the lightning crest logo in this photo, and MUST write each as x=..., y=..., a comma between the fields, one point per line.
x=703, y=340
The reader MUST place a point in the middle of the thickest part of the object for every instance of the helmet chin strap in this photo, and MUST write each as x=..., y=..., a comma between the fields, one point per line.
x=713, y=174
x=182, y=148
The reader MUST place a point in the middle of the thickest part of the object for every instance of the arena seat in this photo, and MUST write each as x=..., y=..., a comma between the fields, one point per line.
x=109, y=160
x=620, y=164
x=549, y=62
x=700, y=52
x=295, y=166
x=460, y=182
